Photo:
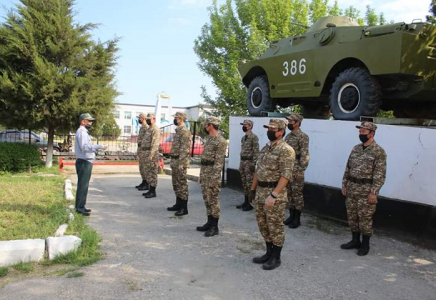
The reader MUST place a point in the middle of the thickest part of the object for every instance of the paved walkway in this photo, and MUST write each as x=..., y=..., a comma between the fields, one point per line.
x=150, y=254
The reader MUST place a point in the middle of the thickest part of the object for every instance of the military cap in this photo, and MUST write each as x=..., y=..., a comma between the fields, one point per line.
x=181, y=115
x=212, y=120
x=151, y=116
x=368, y=125
x=276, y=123
x=86, y=116
x=141, y=115
x=295, y=117
x=249, y=122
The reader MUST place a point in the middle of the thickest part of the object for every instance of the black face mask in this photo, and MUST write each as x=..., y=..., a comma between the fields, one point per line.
x=140, y=121
x=149, y=122
x=244, y=129
x=363, y=138
x=88, y=126
x=291, y=127
x=271, y=135
x=175, y=122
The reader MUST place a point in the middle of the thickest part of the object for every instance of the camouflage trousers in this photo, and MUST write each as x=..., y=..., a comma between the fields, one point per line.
x=180, y=183
x=151, y=169
x=142, y=162
x=211, y=189
x=270, y=221
x=295, y=194
x=359, y=211
x=246, y=169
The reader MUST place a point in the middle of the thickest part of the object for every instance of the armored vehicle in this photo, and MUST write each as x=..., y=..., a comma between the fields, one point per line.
x=347, y=69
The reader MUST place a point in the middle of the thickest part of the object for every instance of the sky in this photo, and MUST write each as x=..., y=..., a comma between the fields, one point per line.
x=157, y=39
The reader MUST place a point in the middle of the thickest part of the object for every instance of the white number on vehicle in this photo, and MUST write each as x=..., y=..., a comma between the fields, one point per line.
x=296, y=67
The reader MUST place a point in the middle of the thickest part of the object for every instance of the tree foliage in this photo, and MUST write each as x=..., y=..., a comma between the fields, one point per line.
x=371, y=17
x=432, y=17
x=51, y=71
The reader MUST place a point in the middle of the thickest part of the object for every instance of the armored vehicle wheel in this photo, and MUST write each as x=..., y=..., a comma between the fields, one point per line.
x=258, y=99
x=354, y=93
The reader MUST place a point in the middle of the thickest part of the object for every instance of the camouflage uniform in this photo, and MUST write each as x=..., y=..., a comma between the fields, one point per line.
x=180, y=157
x=150, y=146
x=212, y=162
x=141, y=153
x=249, y=153
x=365, y=173
x=299, y=141
x=275, y=160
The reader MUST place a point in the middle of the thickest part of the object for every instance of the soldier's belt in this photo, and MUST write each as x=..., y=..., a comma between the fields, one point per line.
x=207, y=162
x=246, y=157
x=268, y=184
x=175, y=156
x=360, y=180
x=146, y=148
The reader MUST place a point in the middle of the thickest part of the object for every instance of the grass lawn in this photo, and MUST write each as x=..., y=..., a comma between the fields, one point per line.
x=32, y=206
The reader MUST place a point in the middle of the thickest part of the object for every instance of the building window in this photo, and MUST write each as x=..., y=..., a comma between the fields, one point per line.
x=117, y=114
x=127, y=115
x=127, y=129
x=162, y=117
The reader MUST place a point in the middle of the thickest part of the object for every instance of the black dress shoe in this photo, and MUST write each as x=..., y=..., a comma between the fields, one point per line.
x=82, y=211
x=87, y=209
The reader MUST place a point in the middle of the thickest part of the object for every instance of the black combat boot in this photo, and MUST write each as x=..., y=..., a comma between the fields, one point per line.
x=264, y=258
x=354, y=243
x=206, y=226
x=364, y=248
x=274, y=261
x=242, y=205
x=213, y=229
x=295, y=223
x=176, y=206
x=151, y=193
x=183, y=210
x=140, y=185
x=291, y=216
x=145, y=187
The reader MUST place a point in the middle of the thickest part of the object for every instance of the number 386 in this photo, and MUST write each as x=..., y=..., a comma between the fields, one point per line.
x=294, y=67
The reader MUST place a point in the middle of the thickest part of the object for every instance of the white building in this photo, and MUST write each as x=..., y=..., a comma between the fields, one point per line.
x=125, y=115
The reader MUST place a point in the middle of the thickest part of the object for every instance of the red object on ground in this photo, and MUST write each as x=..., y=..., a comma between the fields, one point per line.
x=61, y=164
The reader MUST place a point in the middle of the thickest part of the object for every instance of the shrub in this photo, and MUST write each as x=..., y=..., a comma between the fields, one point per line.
x=16, y=157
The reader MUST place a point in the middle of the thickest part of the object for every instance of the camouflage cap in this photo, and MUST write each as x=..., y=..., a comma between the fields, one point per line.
x=276, y=123
x=141, y=115
x=212, y=120
x=249, y=122
x=295, y=117
x=151, y=116
x=368, y=125
x=86, y=116
x=181, y=115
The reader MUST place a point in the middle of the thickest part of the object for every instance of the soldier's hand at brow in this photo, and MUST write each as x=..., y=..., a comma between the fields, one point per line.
x=344, y=191
x=372, y=199
x=269, y=202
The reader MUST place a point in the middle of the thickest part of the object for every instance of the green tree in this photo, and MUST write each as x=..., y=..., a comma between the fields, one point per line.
x=432, y=17
x=381, y=19
x=51, y=71
x=371, y=17
x=335, y=10
x=353, y=13
x=318, y=9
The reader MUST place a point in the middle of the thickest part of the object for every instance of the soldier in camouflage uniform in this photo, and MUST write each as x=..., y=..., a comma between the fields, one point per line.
x=212, y=162
x=273, y=172
x=364, y=176
x=150, y=146
x=299, y=141
x=141, y=154
x=249, y=153
x=180, y=150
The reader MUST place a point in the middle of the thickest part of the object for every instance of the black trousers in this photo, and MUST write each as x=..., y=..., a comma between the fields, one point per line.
x=83, y=170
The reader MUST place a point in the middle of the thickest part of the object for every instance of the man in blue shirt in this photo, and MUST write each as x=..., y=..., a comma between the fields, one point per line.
x=85, y=154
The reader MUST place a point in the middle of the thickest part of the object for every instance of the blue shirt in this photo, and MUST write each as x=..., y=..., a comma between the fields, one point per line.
x=83, y=145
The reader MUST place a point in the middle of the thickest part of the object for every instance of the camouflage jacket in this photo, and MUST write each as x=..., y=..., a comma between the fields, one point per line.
x=151, y=140
x=250, y=146
x=275, y=160
x=214, y=150
x=141, y=134
x=299, y=141
x=181, y=143
x=369, y=163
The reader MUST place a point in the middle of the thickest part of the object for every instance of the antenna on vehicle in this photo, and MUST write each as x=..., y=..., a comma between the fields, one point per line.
x=301, y=25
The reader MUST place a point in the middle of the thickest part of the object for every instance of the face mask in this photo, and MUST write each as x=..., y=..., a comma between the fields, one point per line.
x=363, y=138
x=271, y=135
x=244, y=129
x=140, y=121
x=175, y=122
x=149, y=122
x=291, y=127
x=88, y=126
